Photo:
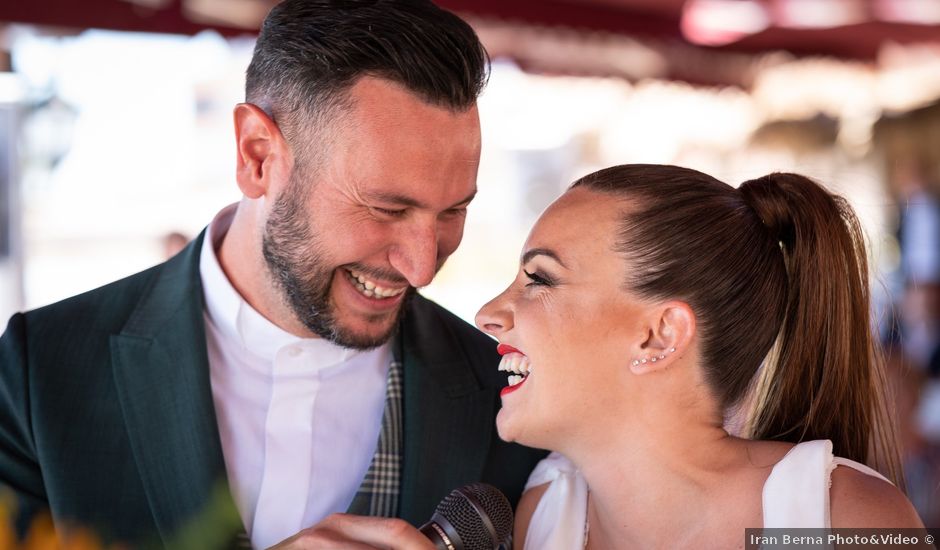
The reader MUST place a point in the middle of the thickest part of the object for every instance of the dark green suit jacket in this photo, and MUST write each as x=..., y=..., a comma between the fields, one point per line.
x=107, y=420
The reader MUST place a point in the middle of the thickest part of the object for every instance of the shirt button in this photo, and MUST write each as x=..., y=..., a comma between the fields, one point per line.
x=294, y=351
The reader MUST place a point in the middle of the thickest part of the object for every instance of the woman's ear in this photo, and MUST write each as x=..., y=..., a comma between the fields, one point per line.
x=259, y=144
x=669, y=333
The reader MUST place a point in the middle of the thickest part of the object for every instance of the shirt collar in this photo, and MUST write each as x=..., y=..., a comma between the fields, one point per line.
x=235, y=317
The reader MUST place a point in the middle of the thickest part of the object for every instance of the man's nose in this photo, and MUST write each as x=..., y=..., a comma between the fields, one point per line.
x=416, y=254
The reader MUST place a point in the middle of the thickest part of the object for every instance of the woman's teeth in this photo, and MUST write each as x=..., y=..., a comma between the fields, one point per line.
x=369, y=288
x=517, y=364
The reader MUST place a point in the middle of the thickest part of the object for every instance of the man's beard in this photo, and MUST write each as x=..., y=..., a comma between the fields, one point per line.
x=295, y=260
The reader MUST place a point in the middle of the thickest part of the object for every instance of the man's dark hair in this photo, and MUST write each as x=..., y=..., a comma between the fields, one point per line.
x=310, y=52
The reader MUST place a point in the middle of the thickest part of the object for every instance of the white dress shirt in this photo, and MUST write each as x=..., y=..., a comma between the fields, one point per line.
x=299, y=418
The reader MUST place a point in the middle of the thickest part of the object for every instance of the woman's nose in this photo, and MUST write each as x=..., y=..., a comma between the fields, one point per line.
x=495, y=317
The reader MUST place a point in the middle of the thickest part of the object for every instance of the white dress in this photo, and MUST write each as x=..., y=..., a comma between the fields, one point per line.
x=796, y=494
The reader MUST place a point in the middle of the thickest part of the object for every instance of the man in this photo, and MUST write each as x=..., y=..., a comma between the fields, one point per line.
x=243, y=385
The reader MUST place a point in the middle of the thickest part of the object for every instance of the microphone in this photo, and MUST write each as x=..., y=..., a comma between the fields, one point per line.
x=473, y=517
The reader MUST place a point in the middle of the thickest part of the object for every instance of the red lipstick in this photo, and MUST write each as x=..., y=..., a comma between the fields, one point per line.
x=504, y=349
x=509, y=389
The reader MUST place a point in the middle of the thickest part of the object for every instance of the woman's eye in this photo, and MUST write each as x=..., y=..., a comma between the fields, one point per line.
x=535, y=279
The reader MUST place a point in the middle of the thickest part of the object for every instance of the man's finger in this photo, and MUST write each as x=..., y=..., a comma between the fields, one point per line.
x=390, y=533
x=350, y=532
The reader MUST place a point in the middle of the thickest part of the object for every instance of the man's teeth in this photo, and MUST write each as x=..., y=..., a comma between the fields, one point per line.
x=369, y=288
x=517, y=364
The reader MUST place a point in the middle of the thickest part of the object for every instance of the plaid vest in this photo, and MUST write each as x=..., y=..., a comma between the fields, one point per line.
x=378, y=494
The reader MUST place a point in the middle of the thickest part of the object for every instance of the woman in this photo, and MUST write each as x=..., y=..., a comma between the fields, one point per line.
x=647, y=300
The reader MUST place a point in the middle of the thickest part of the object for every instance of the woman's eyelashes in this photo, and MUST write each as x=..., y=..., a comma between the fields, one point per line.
x=537, y=278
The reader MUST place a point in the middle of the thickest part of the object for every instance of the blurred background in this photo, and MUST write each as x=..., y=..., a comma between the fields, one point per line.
x=116, y=145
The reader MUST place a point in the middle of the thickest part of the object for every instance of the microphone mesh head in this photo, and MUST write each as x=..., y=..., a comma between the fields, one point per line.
x=465, y=509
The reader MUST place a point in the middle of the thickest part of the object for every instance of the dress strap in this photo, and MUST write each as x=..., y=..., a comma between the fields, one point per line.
x=796, y=494
x=559, y=518
x=839, y=461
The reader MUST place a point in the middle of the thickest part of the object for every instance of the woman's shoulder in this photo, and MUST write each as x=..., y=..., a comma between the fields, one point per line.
x=525, y=509
x=810, y=487
x=858, y=499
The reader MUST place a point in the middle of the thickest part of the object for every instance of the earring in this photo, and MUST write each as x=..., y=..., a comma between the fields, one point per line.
x=652, y=359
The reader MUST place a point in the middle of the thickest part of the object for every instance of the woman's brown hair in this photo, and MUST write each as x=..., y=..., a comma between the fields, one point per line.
x=778, y=264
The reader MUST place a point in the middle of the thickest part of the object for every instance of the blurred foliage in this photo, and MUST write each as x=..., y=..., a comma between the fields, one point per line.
x=217, y=525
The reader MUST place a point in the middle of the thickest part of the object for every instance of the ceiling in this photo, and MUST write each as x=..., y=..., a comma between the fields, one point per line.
x=689, y=29
x=854, y=29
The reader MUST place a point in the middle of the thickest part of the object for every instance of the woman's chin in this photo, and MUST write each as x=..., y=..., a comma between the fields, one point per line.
x=505, y=426
x=509, y=426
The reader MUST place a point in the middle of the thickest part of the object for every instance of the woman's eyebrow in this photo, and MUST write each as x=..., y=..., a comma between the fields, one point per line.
x=531, y=253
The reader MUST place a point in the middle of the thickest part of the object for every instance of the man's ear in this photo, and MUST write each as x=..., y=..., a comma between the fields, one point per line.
x=261, y=149
x=669, y=334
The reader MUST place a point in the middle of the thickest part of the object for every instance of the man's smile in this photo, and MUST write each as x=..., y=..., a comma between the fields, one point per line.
x=370, y=288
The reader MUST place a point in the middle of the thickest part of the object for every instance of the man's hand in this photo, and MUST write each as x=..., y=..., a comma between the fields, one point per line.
x=349, y=532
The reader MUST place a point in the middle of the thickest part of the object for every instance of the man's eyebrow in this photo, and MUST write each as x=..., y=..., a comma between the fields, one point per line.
x=404, y=200
x=531, y=253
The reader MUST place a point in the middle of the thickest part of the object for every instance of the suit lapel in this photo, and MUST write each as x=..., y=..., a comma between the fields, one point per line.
x=447, y=415
x=161, y=372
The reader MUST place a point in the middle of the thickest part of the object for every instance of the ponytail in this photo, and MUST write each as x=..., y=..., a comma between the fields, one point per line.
x=824, y=378
x=776, y=274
